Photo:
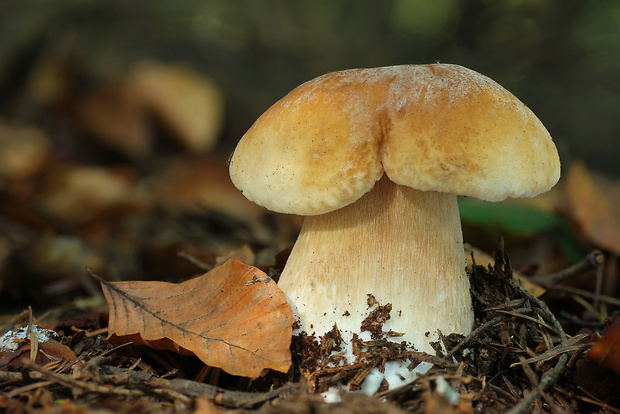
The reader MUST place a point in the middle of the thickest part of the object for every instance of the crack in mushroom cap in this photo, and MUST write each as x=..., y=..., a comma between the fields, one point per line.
x=435, y=127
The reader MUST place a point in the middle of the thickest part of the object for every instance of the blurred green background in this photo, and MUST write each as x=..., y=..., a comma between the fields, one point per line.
x=561, y=57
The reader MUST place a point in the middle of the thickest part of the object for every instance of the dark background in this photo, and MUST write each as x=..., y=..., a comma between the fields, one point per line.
x=561, y=57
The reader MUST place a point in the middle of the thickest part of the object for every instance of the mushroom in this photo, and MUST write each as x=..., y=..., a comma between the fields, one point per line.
x=375, y=159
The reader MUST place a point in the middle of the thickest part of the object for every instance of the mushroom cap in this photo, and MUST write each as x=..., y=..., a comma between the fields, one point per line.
x=435, y=127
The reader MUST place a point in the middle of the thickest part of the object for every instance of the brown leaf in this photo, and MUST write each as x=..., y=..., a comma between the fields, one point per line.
x=590, y=209
x=233, y=317
x=195, y=184
x=15, y=345
x=199, y=184
x=22, y=151
x=54, y=256
x=116, y=118
x=187, y=103
x=83, y=194
x=244, y=254
x=606, y=351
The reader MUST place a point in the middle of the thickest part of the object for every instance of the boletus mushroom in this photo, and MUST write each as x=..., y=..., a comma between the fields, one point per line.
x=375, y=159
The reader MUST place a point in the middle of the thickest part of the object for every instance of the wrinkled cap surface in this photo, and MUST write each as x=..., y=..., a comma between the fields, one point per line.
x=432, y=127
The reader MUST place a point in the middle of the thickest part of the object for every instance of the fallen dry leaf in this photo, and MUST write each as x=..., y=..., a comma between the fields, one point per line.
x=191, y=185
x=54, y=256
x=590, y=209
x=116, y=117
x=54, y=72
x=83, y=194
x=606, y=351
x=15, y=345
x=22, y=151
x=599, y=373
x=233, y=317
x=243, y=254
x=199, y=184
x=187, y=103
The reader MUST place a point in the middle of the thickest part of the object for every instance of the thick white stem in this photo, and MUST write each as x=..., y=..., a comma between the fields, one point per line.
x=403, y=246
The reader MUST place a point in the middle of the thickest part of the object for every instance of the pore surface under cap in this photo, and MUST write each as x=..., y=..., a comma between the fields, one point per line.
x=431, y=127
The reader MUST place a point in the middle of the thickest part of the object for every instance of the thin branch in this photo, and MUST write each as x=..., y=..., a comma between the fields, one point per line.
x=67, y=380
x=547, y=380
x=552, y=353
x=604, y=407
x=193, y=389
x=529, y=318
x=550, y=377
x=593, y=260
x=531, y=376
x=194, y=261
x=586, y=294
x=484, y=327
x=474, y=334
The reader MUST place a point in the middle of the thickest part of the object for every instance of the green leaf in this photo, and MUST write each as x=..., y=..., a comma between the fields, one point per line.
x=510, y=216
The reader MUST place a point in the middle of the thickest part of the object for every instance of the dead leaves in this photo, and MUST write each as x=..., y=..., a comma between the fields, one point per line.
x=37, y=342
x=115, y=116
x=606, y=351
x=591, y=210
x=233, y=317
x=84, y=194
x=123, y=114
x=22, y=151
x=188, y=104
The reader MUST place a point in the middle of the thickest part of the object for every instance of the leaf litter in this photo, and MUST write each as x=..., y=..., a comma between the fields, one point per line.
x=167, y=215
x=223, y=317
x=517, y=357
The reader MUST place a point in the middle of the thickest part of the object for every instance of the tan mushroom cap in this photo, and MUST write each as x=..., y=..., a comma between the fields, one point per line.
x=432, y=127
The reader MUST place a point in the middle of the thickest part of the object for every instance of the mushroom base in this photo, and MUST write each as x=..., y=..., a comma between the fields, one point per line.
x=403, y=246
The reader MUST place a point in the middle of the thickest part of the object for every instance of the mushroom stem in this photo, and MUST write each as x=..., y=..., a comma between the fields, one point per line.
x=403, y=246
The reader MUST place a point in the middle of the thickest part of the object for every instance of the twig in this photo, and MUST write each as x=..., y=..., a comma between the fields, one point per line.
x=529, y=318
x=547, y=380
x=513, y=391
x=485, y=326
x=418, y=357
x=26, y=388
x=599, y=283
x=500, y=391
x=475, y=333
x=223, y=397
x=593, y=260
x=550, y=377
x=547, y=314
x=603, y=406
x=11, y=376
x=31, y=333
x=586, y=294
x=545, y=334
x=139, y=383
x=86, y=386
x=248, y=401
x=531, y=376
x=195, y=261
x=552, y=353
x=515, y=303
